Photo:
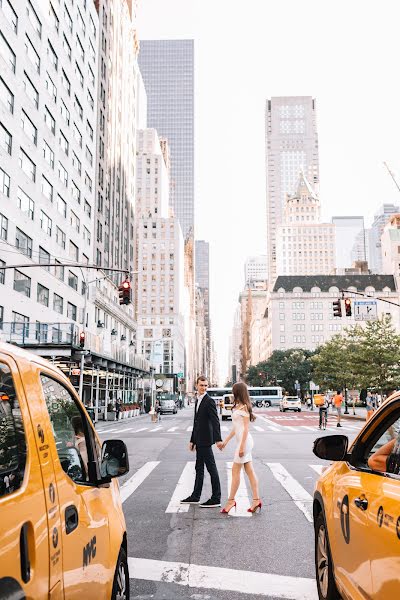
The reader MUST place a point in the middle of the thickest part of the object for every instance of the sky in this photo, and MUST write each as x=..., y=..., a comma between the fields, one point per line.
x=343, y=53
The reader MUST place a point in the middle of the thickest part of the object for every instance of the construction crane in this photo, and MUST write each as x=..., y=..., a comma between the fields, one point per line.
x=392, y=176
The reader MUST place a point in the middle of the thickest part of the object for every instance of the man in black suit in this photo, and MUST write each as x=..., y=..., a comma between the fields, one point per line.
x=206, y=432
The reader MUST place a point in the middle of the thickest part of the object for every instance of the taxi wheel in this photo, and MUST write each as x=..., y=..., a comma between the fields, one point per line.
x=120, y=590
x=327, y=589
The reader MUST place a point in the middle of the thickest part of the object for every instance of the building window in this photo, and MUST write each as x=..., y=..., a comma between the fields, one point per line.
x=52, y=55
x=28, y=127
x=49, y=120
x=3, y=227
x=23, y=243
x=47, y=189
x=72, y=280
x=64, y=143
x=1, y=315
x=6, y=96
x=54, y=18
x=71, y=311
x=76, y=192
x=58, y=304
x=48, y=154
x=59, y=270
x=28, y=167
x=76, y=163
x=32, y=54
x=73, y=251
x=44, y=258
x=62, y=174
x=45, y=223
x=75, y=221
x=77, y=135
x=79, y=75
x=67, y=47
x=4, y=183
x=34, y=19
x=78, y=108
x=60, y=237
x=65, y=112
x=25, y=203
x=5, y=139
x=22, y=283
x=42, y=295
x=2, y=272
x=10, y=14
x=7, y=53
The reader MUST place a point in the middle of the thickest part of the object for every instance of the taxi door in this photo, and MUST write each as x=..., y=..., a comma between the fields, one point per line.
x=384, y=534
x=24, y=549
x=88, y=568
x=351, y=547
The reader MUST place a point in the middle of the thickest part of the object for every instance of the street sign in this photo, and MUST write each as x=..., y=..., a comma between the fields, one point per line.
x=179, y=375
x=313, y=387
x=365, y=310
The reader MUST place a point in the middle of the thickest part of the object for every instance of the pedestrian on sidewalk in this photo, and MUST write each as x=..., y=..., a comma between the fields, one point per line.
x=117, y=408
x=206, y=432
x=337, y=402
x=242, y=415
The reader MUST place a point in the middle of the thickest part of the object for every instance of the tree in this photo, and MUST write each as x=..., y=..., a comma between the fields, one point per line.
x=283, y=367
x=332, y=366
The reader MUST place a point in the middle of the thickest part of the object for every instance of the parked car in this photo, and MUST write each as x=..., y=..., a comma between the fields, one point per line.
x=168, y=407
x=226, y=405
x=290, y=403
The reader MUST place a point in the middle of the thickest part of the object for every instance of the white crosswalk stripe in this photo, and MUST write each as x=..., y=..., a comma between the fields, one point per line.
x=133, y=483
x=301, y=498
x=224, y=428
x=190, y=428
x=141, y=429
x=172, y=429
x=183, y=489
x=257, y=428
x=318, y=468
x=156, y=428
x=242, y=498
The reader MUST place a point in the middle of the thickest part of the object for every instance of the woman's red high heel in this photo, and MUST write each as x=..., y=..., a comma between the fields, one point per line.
x=256, y=508
x=225, y=512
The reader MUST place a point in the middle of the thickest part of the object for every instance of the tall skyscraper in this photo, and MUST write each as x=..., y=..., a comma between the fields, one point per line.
x=291, y=147
x=255, y=270
x=202, y=271
x=350, y=241
x=167, y=67
x=375, y=245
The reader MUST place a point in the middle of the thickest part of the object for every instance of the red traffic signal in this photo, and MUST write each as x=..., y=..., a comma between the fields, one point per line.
x=82, y=339
x=125, y=292
x=337, y=308
x=347, y=307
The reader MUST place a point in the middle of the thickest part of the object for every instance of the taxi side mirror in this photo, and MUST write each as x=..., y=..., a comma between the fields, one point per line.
x=331, y=447
x=114, y=459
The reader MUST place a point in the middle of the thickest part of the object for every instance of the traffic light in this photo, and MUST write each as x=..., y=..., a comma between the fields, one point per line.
x=82, y=339
x=337, y=308
x=347, y=307
x=125, y=292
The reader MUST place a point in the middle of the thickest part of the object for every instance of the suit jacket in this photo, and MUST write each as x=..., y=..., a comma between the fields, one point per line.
x=206, y=428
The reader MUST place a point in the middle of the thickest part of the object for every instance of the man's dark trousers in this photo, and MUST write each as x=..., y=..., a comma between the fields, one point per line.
x=205, y=456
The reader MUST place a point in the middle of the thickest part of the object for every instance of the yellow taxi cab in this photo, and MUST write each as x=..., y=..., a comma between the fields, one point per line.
x=357, y=511
x=62, y=529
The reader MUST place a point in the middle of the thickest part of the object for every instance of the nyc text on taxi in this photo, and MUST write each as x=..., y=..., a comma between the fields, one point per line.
x=357, y=511
x=62, y=529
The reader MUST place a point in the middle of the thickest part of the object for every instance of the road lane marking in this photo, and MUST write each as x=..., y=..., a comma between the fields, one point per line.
x=290, y=428
x=301, y=498
x=128, y=429
x=271, y=424
x=307, y=427
x=141, y=429
x=173, y=428
x=319, y=468
x=156, y=428
x=190, y=428
x=224, y=428
x=242, y=498
x=219, y=578
x=133, y=482
x=257, y=428
x=183, y=489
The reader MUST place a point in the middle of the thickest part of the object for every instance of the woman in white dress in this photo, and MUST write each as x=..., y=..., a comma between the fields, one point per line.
x=242, y=414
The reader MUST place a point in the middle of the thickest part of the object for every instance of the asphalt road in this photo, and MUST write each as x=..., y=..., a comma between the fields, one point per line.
x=195, y=553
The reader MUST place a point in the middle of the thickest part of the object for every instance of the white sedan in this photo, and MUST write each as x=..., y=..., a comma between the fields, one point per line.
x=290, y=403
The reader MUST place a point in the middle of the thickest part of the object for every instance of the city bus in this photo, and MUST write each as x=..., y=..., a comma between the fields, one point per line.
x=259, y=396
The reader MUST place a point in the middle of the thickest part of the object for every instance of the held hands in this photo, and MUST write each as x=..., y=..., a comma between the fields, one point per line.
x=221, y=445
x=192, y=447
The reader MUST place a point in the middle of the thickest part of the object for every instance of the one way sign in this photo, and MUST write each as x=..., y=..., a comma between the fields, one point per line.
x=365, y=310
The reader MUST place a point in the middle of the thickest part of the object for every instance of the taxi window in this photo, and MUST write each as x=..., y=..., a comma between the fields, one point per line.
x=385, y=454
x=12, y=436
x=70, y=431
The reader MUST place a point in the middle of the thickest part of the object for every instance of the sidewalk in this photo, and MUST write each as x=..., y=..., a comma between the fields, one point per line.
x=361, y=413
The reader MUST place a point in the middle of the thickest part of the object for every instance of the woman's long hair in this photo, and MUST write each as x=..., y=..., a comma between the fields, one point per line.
x=241, y=396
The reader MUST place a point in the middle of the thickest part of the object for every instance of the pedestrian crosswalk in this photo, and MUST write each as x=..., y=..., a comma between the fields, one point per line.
x=265, y=426
x=182, y=482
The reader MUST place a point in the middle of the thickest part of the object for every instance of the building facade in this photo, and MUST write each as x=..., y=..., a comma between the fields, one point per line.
x=291, y=147
x=167, y=67
x=350, y=240
x=390, y=246
x=300, y=308
x=202, y=274
x=304, y=245
x=159, y=261
x=381, y=218
x=255, y=270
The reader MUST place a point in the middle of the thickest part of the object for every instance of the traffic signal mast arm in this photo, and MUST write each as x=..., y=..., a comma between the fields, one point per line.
x=377, y=298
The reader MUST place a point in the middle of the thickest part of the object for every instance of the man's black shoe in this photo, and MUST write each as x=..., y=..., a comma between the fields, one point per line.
x=338, y=425
x=190, y=500
x=210, y=503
